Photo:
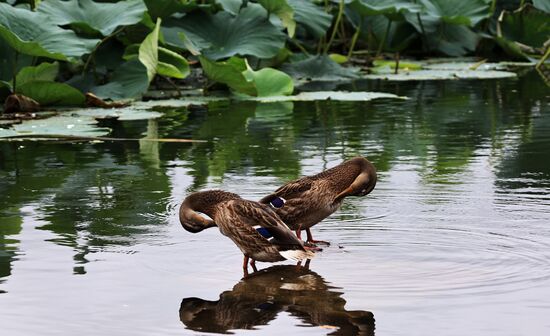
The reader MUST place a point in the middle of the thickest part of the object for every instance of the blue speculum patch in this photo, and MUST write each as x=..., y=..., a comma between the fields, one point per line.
x=277, y=202
x=264, y=232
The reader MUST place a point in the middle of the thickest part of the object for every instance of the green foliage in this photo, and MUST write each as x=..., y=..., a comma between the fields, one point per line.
x=223, y=35
x=237, y=74
x=32, y=33
x=140, y=39
x=91, y=16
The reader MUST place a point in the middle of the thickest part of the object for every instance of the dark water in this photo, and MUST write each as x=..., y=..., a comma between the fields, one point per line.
x=454, y=240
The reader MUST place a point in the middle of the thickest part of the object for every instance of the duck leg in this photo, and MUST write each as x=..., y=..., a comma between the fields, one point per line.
x=245, y=265
x=310, y=239
x=253, y=265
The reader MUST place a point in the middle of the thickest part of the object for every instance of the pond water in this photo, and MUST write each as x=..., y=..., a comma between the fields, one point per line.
x=454, y=240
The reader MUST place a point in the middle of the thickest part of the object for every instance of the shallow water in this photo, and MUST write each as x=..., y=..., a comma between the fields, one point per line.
x=454, y=240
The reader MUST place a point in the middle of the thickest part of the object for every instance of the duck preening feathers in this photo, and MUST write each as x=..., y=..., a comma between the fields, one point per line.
x=254, y=227
x=307, y=201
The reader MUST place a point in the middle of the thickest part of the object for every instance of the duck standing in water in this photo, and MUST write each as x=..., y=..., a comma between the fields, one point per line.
x=307, y=201
x=254, y=227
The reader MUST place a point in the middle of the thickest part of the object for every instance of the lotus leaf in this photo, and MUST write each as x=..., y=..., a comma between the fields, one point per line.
x=319, y=67
x=237, y=74
x=61, y=125
x=32, y=33
x=165, y=8
x=393, y=9
x=51, y=93
x=129, y=81
x=42, y=72
x=93, y=16
x=524, y=31
x=442, y=75
x=283, y=10
x=314, y=19
x=460, y=12
x=543, y=5
x=330, y=95
x=222, y=35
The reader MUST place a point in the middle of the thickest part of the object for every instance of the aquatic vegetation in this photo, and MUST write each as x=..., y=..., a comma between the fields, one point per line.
x=119, y=49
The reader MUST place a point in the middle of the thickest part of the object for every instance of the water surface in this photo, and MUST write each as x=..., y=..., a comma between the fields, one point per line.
x=454, y=240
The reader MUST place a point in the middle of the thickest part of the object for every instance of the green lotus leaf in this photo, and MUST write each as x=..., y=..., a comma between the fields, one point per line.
x=330, y=95
x=165, y=8
x=43, y=72
x=237, y=75
x=92, y=16
x=128, y=81
x=460, y=12
x=172, y=64
x=148, y=51
x=223, y=35
x=320, y=67
x=393, y=9
x=524, y=31
x=32, y=33
x=442, y=75
x=61, y=125
x=313, y=18
x=283, y=10
x=52, y=93
x=543, y=5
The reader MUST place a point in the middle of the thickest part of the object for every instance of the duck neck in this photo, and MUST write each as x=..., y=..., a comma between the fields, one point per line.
x=207, y=201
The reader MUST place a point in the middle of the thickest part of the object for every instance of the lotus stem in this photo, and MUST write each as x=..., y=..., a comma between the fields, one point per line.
x=544, y=58
x=354, y=39
x=336, y=23
x=97, y=46
x=299, y=46
x=384, y=39
x=15, y=59
x=396, y=63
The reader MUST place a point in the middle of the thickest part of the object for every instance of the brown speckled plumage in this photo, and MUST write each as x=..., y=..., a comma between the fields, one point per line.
x=236, y=218
x=311, y=199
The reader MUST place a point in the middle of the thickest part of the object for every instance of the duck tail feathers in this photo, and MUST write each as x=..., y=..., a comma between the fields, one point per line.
x=297, y=255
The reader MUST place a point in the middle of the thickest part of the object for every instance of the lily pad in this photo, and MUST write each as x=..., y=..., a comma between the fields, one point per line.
x=32, y=33
x=330, y=95
x=124, y=114
x=93, y=16
x=442, y=74
x=62, y=125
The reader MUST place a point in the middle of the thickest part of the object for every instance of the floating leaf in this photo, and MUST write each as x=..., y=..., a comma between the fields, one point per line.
x=123, y=114
x=92, y=16
x=329, y=95
x=33, y=34
x=319, y=67
x=62, y=125
x=222, y=35
x=442, y=74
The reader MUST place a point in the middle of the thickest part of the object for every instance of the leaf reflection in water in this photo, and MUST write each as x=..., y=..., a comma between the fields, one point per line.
x=258, y=298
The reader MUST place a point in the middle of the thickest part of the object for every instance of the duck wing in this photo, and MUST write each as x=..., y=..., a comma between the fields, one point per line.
x=290, y=190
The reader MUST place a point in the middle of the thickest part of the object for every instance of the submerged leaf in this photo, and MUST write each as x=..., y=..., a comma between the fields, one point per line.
x=33, y=34
x=93, y=16
x=68, y=125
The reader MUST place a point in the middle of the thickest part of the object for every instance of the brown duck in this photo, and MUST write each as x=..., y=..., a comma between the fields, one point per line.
x=307, y=201
x=253, y=227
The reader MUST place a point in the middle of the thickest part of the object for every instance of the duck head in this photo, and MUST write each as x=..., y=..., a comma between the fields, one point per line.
x=202, y=202
x=365, y=181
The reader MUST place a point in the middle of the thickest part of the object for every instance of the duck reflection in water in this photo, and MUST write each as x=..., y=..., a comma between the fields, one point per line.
x=259, y=297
